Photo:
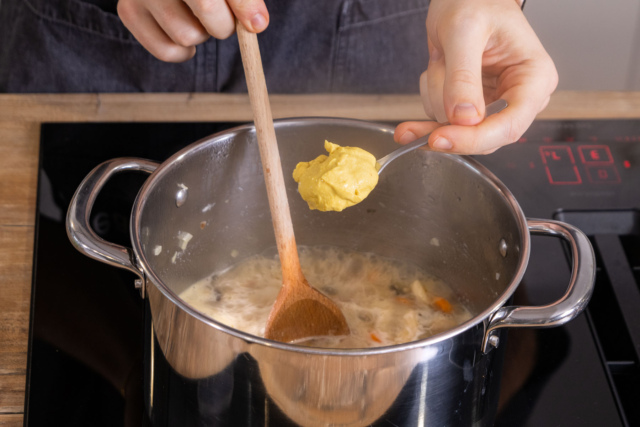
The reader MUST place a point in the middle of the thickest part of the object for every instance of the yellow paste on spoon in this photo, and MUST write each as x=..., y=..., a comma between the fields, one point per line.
x=337, y=181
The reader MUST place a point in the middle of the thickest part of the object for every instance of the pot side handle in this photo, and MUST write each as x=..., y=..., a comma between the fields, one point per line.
x=79, y=229
x=571, y=304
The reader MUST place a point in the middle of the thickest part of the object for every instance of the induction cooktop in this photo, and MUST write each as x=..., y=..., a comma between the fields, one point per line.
x=85, y=365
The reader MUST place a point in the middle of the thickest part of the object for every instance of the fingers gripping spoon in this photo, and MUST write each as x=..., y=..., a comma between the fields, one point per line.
x=493, y=108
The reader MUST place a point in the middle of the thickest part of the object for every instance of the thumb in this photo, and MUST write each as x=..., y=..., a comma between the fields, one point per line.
x=463, y=90
x=252, y=14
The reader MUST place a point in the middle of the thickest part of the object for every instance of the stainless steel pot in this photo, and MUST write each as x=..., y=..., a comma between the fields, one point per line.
x=445, y=213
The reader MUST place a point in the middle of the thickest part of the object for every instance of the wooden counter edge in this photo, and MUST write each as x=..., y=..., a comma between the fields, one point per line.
x=11, y=420
x=172, y=107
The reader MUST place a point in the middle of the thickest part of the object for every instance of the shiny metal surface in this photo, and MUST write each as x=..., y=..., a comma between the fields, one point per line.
x=493, y=108
x=578, y=293
x=445, y=213
x=220, y=379
x=78, y=227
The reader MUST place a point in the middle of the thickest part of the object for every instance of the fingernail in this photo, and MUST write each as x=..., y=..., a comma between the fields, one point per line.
x=258, y=22
x=407, y=137
x=442, y=143
x=465, y=110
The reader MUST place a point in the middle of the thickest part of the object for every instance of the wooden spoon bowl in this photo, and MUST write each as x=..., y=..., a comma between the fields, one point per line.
x=300, y=311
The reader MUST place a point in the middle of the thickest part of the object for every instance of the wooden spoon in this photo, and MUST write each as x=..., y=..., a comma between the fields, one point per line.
x=300, y=311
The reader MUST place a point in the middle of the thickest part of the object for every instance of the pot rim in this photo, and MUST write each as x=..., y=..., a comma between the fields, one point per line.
x=466, y=161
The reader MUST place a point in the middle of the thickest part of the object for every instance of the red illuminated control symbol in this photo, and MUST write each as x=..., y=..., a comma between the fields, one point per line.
x=560, y=165
x=595, y=154
x=627, y=164
x=599, y=163
x=603, y=174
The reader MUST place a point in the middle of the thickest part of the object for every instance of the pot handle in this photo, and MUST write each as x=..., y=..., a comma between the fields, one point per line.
x=79, y=230
x=571, y=304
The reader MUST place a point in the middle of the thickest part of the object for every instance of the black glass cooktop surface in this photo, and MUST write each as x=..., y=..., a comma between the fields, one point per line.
x=87, y=320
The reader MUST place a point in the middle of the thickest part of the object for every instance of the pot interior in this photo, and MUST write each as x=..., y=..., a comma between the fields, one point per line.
x=444, y=213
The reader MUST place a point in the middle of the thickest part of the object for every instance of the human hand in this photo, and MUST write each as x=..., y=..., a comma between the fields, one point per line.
x=171, y=29
x=480, y=51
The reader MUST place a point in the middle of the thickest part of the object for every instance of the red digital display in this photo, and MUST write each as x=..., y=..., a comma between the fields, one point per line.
x=603, y=174
x=595, y=155
x=561, y=168
x=599, y=164
x=560, y=165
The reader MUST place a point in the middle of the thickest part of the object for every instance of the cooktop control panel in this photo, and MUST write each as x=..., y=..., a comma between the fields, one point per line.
x=572, y=165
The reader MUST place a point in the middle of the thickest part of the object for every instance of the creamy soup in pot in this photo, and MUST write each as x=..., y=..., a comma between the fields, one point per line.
x=385, y=301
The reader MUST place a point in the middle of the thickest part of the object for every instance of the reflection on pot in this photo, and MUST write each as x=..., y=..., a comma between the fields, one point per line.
x=324, y=390
x=193, y=348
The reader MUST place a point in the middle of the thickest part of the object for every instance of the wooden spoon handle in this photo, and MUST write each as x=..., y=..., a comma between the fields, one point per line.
x=271, y=166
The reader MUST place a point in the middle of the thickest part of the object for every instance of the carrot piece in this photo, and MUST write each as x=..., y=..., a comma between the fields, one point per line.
x=443, y=305
x=375, y=338
x=403, y=300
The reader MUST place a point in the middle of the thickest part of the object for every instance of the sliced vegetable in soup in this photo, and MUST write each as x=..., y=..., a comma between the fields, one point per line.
x=385, y=301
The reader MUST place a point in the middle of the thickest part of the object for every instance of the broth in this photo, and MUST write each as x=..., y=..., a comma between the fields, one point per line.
x=385, y=301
